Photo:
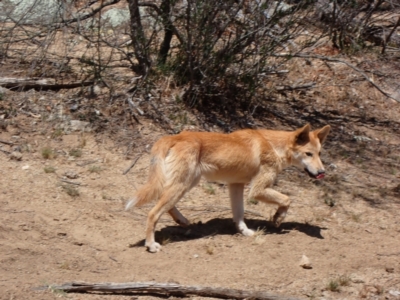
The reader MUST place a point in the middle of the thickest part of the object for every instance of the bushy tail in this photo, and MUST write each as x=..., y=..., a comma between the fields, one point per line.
x=155, y=184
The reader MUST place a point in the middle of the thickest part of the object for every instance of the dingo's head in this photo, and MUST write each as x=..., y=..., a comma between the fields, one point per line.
x=307, y=148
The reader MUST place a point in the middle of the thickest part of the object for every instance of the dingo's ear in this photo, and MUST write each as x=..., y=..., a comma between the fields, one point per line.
x=303, y=135
x=322, y=133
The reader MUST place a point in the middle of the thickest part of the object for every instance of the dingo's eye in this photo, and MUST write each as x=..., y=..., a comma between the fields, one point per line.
x=309, y=154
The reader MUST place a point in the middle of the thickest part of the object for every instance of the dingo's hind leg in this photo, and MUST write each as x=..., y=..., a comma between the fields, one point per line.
x=169, y=198
x=236, y=196
x=178, y=217
x=172, y=193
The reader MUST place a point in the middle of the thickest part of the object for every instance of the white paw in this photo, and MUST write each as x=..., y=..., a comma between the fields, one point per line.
x=247, y=232
x=153, y=247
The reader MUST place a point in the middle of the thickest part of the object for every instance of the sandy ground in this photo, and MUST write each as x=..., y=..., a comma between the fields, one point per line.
x=348, y=225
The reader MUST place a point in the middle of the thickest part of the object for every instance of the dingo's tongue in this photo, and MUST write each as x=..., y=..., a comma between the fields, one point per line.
x=320, y=176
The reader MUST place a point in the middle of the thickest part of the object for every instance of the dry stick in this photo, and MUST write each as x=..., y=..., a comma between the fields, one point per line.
x=390, y=35
x=343, y=62
x=4, y=151
x=169, y=289
x=70, y=182
x=132, y=164
x=85, y=163
x=295, y=87
x=7, y=143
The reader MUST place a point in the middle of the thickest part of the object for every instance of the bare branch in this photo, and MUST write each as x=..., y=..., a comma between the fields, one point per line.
x=390, y=35
x=88, y=15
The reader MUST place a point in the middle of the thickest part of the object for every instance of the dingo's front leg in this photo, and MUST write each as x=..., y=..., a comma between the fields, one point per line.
x=236, y=195
x=271, y=196
x=260, y=191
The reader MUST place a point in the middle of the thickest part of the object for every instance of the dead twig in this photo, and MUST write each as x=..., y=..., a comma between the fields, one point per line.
x=70, y=182
x=7, y=143
x=88, y=15
x=4, y=151
x=295, y=87
x=132, y=165
x=85, y=163
x=170, y=289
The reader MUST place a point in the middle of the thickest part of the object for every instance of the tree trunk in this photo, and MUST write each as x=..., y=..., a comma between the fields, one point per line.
x=138, y=38
x=168, y=32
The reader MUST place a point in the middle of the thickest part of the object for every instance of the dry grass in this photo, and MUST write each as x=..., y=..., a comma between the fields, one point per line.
x=49, y=169
x=75, y=152
x=210, y=249
x=48, y=153
x=71, y=190
x=95, y=169
x=252, y=201
x=335, y=284
x=209, y=189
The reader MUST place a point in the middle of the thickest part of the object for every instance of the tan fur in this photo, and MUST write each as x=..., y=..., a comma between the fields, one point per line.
x=244, y=156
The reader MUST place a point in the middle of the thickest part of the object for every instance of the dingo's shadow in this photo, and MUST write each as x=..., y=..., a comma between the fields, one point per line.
x=225, y=226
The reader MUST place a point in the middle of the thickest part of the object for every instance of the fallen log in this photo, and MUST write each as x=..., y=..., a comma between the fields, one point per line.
x=39, y=84
x=164, y=289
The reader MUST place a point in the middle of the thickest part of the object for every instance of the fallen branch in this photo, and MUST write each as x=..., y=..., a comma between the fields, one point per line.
x=165, y=289
x=40, y=84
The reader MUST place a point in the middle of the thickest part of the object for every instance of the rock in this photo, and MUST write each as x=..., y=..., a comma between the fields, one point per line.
x=361, y=138
x=94, y=91
x=3, y=90
x=31, y=11
x=71, y=174
x=394, y=293
x=357, y=278
x=16, y=155
x=305, y=262
x=117, y=16
x=389, y=269
x=76, y=125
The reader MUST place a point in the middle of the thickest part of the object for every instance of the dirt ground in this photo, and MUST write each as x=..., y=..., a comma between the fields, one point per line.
x=62, y=219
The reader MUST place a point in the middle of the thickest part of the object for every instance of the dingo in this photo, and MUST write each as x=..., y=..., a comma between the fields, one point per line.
x=255, y=156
